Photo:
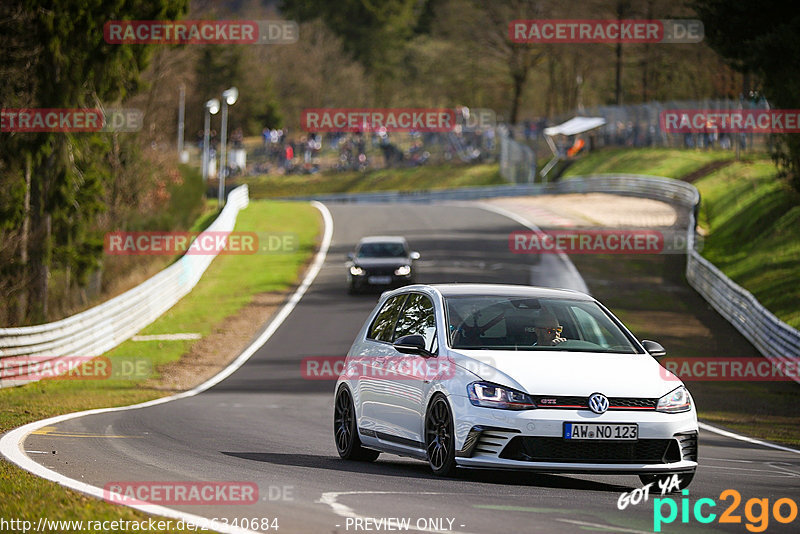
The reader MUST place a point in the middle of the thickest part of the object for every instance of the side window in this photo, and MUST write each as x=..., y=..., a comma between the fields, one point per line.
x=383, y=325
x=417, y=317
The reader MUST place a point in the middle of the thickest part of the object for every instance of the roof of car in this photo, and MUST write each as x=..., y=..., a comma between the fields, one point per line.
x=382, y=239
x=507, y=290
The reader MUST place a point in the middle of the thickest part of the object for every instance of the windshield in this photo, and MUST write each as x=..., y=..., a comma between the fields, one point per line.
x=514, y=323
x=381, y=250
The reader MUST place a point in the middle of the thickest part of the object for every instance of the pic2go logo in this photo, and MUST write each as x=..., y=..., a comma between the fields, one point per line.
x=756, y=511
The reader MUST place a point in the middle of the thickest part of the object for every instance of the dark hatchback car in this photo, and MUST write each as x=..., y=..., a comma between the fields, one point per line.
x=380, y=262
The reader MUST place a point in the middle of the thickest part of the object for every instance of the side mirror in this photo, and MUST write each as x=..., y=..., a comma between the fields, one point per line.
x=655, y=349
x=351, y=256
x=414, y=255
x=413, y=344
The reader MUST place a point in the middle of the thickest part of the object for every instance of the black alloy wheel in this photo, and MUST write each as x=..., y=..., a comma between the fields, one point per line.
x=345, y=432
x=440, y=440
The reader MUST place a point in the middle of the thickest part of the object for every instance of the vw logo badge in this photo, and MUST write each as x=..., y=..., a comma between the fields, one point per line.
x=598, y=403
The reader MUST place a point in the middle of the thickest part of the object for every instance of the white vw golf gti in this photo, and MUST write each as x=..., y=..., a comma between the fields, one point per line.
x=511, y=377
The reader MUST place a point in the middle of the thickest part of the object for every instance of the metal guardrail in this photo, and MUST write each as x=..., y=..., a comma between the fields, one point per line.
x=772, y=337
x=103, y=327
x=622, y=184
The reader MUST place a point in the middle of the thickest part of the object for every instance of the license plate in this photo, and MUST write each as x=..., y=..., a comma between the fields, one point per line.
x=380, y=279
x=599, y=431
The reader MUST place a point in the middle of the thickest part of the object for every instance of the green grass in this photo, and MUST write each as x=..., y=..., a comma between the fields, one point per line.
x=227, y=286
x=753, y=223
x=672, y=163
x=407, y=179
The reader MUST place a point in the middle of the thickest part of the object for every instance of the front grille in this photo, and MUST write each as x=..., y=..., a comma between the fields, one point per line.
x=614, y=403
x=534, y=449
x=379, y=271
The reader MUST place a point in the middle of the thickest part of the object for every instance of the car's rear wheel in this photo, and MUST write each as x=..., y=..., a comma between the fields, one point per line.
x=685, y=479
x=440, y=442
x=345, y=431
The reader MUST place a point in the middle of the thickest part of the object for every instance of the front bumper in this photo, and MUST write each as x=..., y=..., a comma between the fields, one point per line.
x=533, y=440
x=363, y=281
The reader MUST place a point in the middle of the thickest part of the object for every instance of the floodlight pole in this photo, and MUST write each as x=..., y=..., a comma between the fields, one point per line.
x=229, y=97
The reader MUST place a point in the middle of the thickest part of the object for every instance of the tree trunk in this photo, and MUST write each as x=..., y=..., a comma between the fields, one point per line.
x=22, y=302
x=519, y=82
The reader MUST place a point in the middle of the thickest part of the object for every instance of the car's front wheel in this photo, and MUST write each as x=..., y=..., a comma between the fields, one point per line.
x=440, y=442
x=345, y=431
x=684, y=480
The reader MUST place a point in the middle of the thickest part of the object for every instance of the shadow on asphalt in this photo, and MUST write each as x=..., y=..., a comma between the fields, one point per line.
x=420, y=471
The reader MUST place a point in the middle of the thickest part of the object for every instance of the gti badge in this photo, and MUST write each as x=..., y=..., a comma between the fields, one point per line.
x=598, y=403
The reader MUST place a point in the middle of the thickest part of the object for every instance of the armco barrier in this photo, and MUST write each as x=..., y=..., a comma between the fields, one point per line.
x=99, y=329
x=772, y=337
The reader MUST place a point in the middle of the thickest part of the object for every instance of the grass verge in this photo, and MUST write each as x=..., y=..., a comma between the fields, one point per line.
x=406, y=179
x=228, y=285
x=752, y=224
x=750, y=218
x=669, y=162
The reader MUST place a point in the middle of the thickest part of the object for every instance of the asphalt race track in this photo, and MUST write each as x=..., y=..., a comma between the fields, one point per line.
x=268, y=425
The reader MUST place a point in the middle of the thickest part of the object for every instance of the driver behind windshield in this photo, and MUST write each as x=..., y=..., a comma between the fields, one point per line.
x=548, y=331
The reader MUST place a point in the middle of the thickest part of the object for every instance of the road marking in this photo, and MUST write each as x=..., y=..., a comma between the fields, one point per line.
x=167, y=337
x=342, y=510
x=778, y=474
x=779, y=467
x=52, y=431
x=727, y=460
x=727, y=434
x=604, y=527
x=11, y=443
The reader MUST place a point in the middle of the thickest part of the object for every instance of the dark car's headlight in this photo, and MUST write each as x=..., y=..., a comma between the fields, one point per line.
x=403, y=270
x=355, y=270
x=676, y=401
x=490, y=395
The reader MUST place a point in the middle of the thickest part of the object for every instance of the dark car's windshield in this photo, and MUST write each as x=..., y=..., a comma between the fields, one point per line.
x=381, y=250
x=515, y=323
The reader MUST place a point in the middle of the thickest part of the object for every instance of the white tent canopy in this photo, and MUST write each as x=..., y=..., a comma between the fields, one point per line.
x=575, y=126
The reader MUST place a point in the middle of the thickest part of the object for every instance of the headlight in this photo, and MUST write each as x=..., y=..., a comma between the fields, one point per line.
x=403, y=270
x=355, y=270
x=493, y=396
x=676, y=401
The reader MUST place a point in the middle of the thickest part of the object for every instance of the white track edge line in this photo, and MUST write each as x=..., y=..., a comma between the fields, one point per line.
x=732, y=435
x=11, y=443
